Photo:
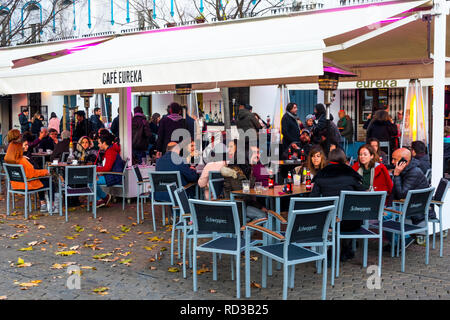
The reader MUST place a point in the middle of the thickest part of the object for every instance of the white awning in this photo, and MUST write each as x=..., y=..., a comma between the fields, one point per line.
x=273, y=48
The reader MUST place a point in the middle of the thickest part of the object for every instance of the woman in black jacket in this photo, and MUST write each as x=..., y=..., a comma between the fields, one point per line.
x=382, y=127
x=329, y=181
x=289, y=127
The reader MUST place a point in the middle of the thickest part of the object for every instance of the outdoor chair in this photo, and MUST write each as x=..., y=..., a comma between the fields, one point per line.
x=365, y=206
x=2, y=170
x=438, y=201
x=428, y=176
x=387, y=148
x=141, y=194
x=158, y=182
x=303, y=226
x=16, y=173
x=176, y=219
x=220, y=219
x=314, y=203
x=78, y=181
x=416, y=202
x=216, y=181
x=122, y=185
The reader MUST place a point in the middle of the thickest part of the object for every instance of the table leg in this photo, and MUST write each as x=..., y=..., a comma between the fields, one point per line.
x=278, y=227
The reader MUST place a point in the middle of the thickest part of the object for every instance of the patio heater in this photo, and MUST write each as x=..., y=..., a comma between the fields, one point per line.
x=328, y=82
x=86, y=95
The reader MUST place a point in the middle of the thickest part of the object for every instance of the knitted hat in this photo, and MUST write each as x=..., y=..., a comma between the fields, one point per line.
x=310, y=116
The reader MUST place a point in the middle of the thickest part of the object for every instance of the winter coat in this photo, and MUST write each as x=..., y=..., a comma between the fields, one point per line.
x=86, y=155
x=82, y=128
x=380, y=179
x=30, y=172
x=24, y=123
x=247, y=120
x=290, y=130
x=54, y=123
x=112, y=162
x=60, y=148
x=47, y=144
x=141, y=132
x=167, y=125
x=423, y=162
x=411, y=178
x=334, y=178
x=347, y=132
x=115, y=126
x=96, y=123
x=36, y=127
x=382, y=130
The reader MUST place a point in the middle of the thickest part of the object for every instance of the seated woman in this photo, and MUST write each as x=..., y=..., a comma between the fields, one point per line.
x=112, y=162
x=14, y=155
x=84, y=151
x=380, y=155
x=215, y=162
x=333, y=178
x=375, y=175
x=315, y=162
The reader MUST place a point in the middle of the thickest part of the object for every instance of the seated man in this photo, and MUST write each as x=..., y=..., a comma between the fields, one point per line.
x=418, y=150
x=62, y=146
x=172, y=161
x=49, y=141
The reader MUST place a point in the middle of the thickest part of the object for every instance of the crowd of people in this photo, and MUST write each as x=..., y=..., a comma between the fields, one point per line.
x=318, y=142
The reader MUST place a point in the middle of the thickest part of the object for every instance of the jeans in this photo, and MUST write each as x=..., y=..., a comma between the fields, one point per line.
x=46, y=185
x=100, y=193
x=255, y=213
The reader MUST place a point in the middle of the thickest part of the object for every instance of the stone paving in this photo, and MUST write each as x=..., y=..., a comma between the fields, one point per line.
x=139, y=262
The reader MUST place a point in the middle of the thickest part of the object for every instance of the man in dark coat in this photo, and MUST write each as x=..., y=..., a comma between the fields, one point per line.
x=82, y=127
x=247, y=120
x=345, y=125
x=290, y=128
x=407, y=176
x=418, y=150
x=115, y=125
x=96, y=121
x=141, y=134
x=62, y=146
x=167, y=125
x=24, y=122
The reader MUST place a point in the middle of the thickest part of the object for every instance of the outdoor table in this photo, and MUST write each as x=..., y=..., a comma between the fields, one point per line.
x=275, y=193
x=285, y=167
x=42, y=156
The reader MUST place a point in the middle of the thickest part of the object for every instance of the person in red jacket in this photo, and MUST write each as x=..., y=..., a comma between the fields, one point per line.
x=112, y=162
x=375, y=175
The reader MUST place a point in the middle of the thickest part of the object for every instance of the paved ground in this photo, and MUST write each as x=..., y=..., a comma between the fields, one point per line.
x=147, y=276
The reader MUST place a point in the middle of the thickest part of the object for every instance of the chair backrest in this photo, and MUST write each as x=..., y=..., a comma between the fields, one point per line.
x=171, y=190
x=428, y=174
x=417, y=202
x=304, y=203
x=308, y=225
x=214, y=175
x=441, y=190
x=64, y=156
x=159, y=180
x=125, y=165
x=15, y=172
x=80, y=175
x=215, y=216
x=182, y=200
x=361, y=205
x=137, y=173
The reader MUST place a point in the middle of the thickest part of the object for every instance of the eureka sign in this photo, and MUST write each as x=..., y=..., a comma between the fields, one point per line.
x=376, y=84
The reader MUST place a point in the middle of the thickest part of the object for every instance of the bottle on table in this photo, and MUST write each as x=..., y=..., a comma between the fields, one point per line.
x=290, y=154
x=308, y=181
x=302, y=155
x=289, y=183
x=271, y=179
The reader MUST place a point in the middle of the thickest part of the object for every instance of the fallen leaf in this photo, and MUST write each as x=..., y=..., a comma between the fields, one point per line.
x=152, y=268
x=41, y=226
x=125, y=254
x=152, y=259
x=212, y=291
x=173, y=269
x=20, y=261
x=33, y=243
x=101, y=289
x=126, y=261
x=125, y=229
x=163, y=249
x=26, y=249
x=57, y=266
x=203, y=270
x=116, y=238
x=103, y=231
x=255, y=285
x=69, y=237
x=88, y=267
x=59, y=244
x=155, y=239
x=67, y=253
x=79, y=228
x=148, y=232
x=101, y=256
x=74, y=247
x=33, y=283
x=175, y=280
x=254, y=258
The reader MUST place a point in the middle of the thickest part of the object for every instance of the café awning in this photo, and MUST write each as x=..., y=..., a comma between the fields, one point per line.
x=267, y=50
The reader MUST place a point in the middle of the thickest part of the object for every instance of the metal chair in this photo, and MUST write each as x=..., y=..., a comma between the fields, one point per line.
x=438, y=200
x=221, y=219
x=428, y=176
x=365, y=206
x=215, y=182
x=417, y=202
x=76, y=176
x=158, y=182
x=16, y=173
x=122, y=185
x=2, y=170
x=175, y=219
x=141, y=194
x=303, y=226
x=386, y=144
x=314, y=203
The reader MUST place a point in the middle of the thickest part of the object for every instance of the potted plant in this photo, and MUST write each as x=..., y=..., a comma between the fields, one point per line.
x=200, y=19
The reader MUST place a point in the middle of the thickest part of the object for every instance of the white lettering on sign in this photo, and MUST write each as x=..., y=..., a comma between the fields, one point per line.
x=306, y=228
x=415, y=205
x=214, y=220
x=118, y=77
x=376, y=84
x=353, y=208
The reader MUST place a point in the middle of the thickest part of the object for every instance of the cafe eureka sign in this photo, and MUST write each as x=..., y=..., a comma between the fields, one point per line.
x=120, y=77
x=376, y=84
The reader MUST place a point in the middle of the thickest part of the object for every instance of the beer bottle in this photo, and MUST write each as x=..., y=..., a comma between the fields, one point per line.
x=304, y=175
x=271, y=182
x=308, y=181
x=289, y=154
x=289, y=183
x=302, y=155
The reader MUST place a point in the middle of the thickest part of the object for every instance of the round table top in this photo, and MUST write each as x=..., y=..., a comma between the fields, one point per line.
x=275, y=192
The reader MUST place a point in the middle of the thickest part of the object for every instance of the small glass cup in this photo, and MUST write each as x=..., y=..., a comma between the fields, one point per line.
x=246, y=186
x=40, y=150
x=258, y=187
x=55, y=162
x=49, y=151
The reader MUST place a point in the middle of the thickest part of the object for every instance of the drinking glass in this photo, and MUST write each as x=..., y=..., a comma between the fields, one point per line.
x=258, y=187
x=246, y=186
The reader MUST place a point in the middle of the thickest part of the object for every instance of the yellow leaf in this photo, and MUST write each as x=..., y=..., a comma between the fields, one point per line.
x=79, y=229
x=115, y=238
x=66, y=253
x=101, y=289
x=20, y=261
x=88, y=267
x=126, y=261
x=125, y=229
x=101, y=256
x=26, y=249
x=148, y=232
x=58, y=266
x=163, y=249
x=173, y=269
x=155, y=239
x=69, y=237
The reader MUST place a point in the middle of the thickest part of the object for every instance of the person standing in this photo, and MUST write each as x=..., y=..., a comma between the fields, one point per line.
x=82, y=127
x=246, y=119
x=25, y=124
x=168, y=125
x=115, y=125
x=141, y=135
x=382, y=128
x=36, y=124
x=54, y=122
x=290, y=128
x=345, y=126
x=96, y=121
